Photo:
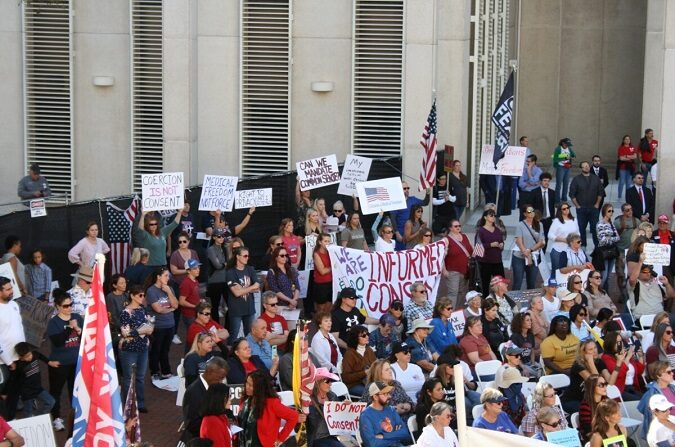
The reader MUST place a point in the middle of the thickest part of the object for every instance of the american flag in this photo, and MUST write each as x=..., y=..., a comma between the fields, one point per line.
x=375, y=194
x=119, y=234
x=428, y=142
x=478, y=248
x=131, y=411
x=96, y=395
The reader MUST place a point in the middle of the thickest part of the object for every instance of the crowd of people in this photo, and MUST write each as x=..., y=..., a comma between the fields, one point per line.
x=401, y=364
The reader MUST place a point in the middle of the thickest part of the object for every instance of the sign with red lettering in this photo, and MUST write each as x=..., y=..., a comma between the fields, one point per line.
x=342, y=418
x=380, y=278
x=163, y=191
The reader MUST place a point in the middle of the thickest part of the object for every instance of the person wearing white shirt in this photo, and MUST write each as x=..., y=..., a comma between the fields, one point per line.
x=437, y=432
x=384, y=239
x=409, y=375
x=563, y=225
x=324, y=345
x=11, y=333
x=550, y=299
x=662, y=428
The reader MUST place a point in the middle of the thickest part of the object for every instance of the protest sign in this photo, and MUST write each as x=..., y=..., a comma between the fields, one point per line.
x=310, y=243
x=35, y=315
x=512, y=163
x=342, y=418
x=561, y=278
x=379, y=278
x=384, y=194
x=236, y=395
x=35, y=431
x=566, y=438
x=7, y=272
x=658, y=254
x=458, y=321
x=303, y=280
x=163, y=191
x=38, y=208
x=249, y=198
x=355, y=171
x=615, y=441
x=448, y=158
x=218, y=193
x=318, y=172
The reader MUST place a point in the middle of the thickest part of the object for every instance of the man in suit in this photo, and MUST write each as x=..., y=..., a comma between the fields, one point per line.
x=641, y=199
x=601, y=172
x=215, y=372
x=543, y=200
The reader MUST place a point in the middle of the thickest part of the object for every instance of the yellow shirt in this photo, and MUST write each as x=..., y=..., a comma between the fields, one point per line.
x=563, y=352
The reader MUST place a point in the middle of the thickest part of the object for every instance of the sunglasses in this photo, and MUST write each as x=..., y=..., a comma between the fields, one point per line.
x=549, y=396
x=142, y=295
x=282, y=256
x=596, y=277
x=338, y=211
x=152, y=225
x=243, y=256
x=610, y=211
x=582, y=314
x=363, y=335
x=449, y=308
x=529, y=210
x=280, y=244
x=182, y=242
x=564, y=208
x=421, y=291
x=577, y=282
x=273, y=304
x=669, y=371
x=406, y=189
x=456, y=226
x=388, y=232
x=669, y=332
x=208, y=314
x=66, y=306
x=219, y=236
x=427, y=235
x=552, y=424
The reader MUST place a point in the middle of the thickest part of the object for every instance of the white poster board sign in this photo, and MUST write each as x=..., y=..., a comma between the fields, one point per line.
x=36, y=431
x=656, y=254
x=303, y=280
x=511, y=165
x=7, y=272
x=458, y=321
x=384, y=194
x=355, y=170
x=342, y=418
x=163, y=191
x=318, y=172
x=38, y=208
x=218, y=193
x=253, y=198
x=310, y=244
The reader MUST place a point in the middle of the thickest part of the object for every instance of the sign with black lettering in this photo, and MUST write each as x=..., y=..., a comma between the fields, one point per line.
x=218, y=193
x=318, y=172
x=163, y=191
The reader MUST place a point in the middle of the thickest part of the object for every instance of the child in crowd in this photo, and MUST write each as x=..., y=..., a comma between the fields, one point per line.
x=38, y=276
x=30, y=383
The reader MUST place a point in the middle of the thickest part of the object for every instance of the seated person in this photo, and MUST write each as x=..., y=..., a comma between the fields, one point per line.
x=587, y=363
x=436, y=433
x=493, y=328
x=542, y=397
x=409, y=375
x=317, y=430
x=548, y=420
x=446, y=374
x=204, y=323
x=422, y=354
x=383, y=338
x=607, y=423
x=257, y=340
x=324, y=345
x=357, y=360
x=662, y=428
x=474, y=345
x=241, y=363
x=380, y=424
x=513, y=358
x=661, y=386
x=443, y=335
x=560, y=348
x=277, y=326
x=510, y=382
x=621, y=358
x=345, y=314
x=493, y=418
x=195, y=361
x=432, y=391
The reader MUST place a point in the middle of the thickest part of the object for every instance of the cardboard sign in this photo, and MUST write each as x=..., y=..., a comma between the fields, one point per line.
x=656, y=254
x=458, y=321
x=384, y=194
x=303, y=280
x=38, y=208
x=249, y=198
x=567, y=438
x=379, y=278
x=448, y=158
x=355, y=171
x=163, y=191
x=342, y=418
x=318, y=172
x=35, y=431
x=7, y=272
x=511, y=165
x=35, y=315
x=218, y=193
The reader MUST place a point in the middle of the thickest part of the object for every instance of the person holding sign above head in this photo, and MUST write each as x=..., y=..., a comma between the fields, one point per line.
x=380, y=425
x=607, y=430
x=384, y=239
x=153, y=238
x=400, y=217
x=215, y=220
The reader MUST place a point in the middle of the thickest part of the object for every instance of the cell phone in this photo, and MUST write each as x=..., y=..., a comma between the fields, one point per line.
x=274, y=351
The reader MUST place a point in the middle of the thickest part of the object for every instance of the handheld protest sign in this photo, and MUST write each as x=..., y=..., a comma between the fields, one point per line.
x=384, y=194
x=163, y=191
x=511, y=165
x=354, y=171
x=218, y=193
x=252, y=198
x=318, y=172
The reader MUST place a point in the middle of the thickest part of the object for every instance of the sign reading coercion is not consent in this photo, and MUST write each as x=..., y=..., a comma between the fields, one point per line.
x=318, y=172
x=249, y=198
x=163, y=191
x=218, y=193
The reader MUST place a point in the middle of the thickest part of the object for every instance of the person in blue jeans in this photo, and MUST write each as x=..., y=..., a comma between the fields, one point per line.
x=529, y=240
x=586, y=192
x=162, y=302
x=30, y=386
x=135, y=327
x=562, y=161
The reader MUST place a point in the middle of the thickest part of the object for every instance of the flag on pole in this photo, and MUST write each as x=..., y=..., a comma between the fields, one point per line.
x=303, y=378
x=502, y=117
x=428, y=142
x=131, y=411
x=119, y=234
x=96, y=396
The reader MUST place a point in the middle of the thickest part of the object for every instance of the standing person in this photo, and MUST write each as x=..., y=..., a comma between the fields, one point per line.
x=626, y=164
x=215, y=424
x=114, y=304
x=11, y=333
x=85, y=251
x=38, y=277
x=562, y=226
x=663, y=235
x=162, y=303
x=292, y=243
x=312, y=224
x=282, y=278
x=179, y=258
x=153, y=238
x=491, y=238
x=29, y=380
x=459, y=184
x=437, y=431
x=322, y=274
x=353, y=235
x=399, y=217
x=647, y=152
x=262, y=412
x=65, y=334
x=458, y=253
x=443, y=209
x=586, y=193
x=217, y=282
x=601, y=173
x=415, y=228
x=384, y=239
x=187, y=225
x=608, y=237
x=13, y=250
x=543, y=200
x=562, y=160
x=242, y=283
x=216, y=221
x=380, y=424
x=526, y=258
x=530, y=181
x=34, y=185
x=624, y=224
x=135, y=330
x=195, y=394
x=81, y=291
x=641, y=199
x=188, y=295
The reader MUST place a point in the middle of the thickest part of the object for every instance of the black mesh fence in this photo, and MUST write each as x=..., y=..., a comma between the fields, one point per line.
x=64, y=226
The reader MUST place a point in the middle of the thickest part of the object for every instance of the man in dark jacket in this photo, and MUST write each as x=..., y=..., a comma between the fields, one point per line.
x=601, y=173
x=215, y=372
x=586, y=193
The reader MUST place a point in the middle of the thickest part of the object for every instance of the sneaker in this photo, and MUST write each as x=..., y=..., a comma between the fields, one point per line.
x=166, y=376
x=156, y=377
x=58, y=424
x=176, y=340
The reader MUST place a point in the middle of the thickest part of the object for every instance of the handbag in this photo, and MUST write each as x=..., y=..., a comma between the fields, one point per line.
x=609, y=252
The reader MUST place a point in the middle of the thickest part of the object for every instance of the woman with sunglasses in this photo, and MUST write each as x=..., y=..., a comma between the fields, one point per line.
x=595, y=391
x=456, y=262
x=162, y=302
x=357, y=360
x=628, y=365
x=559, y=349
x=282, y=278
x=543, y=396
x=662, y=347
x=322, y=275
x=381, y=371
x=64, y=331
x=525, y=256
x=415, y=228
x=195, y=361
x=662, y=428
x=573, y=259
x=493, y=417
x=340, y=214
x=180, y=256
x=597, y=296
x=384, y=239
x=400, y=326
x=492, y=240
x=608, y=237
x=607, y=424
x=292, y=243
x=216, y=286
x=578, y=325
x=409, y=375
x=648, y=336
x=575, y=285
x=242, y=283
x=318, y=434
x=150, y=236
x=272, y=243
x=662, y=385
x=324, y=346
x=443, y=333
x=562, y=226
x=548, y=421
x=437, y=431
x=204, y=323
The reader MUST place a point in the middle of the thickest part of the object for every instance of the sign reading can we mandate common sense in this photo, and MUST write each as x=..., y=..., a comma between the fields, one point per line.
x=318, y=172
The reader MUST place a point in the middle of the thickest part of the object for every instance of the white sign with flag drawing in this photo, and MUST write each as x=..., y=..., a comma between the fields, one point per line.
x=385, y=194
x=511, y=165
x=355, y=171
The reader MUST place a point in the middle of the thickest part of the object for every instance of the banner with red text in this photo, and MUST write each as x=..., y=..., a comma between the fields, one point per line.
x=379, y=278
x=342, y=418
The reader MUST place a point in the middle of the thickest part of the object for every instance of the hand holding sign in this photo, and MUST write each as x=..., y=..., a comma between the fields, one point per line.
x=355, y=171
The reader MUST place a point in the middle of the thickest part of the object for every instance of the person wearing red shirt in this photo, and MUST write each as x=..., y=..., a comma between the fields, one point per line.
x=188, y=295
x=627, y=154
x=647, y=153
x=204, y=323
x=277, y=326
x=457, y=255
x=215, y=425
x=8, y=436
x=663, y=235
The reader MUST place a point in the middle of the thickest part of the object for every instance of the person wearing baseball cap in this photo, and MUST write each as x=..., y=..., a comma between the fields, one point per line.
x=493, y=418
x=473, y=304
x=408, y=374
x=662, y=426
x=380, y=425
x=421, y=353
x=507, y=307
x=346, y=314
x=188, y=290
x=382, y=337
x=550, y=301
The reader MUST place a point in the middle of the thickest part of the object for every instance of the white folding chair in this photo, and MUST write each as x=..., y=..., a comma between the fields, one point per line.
x=476, y=411
x=575, y=420
x=646, y=321
x=556, y=380
x=286, y=398
x=340, y=390
x=528, y=389
x=412, y=427
x=500, y=350
x=486, y=368
x=631, y=424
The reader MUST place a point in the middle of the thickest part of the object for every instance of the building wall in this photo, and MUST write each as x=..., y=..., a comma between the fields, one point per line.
x=580, y=74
